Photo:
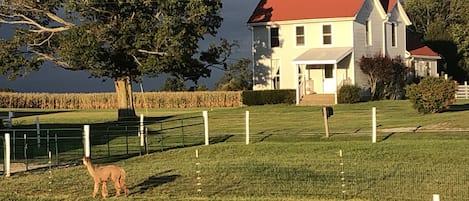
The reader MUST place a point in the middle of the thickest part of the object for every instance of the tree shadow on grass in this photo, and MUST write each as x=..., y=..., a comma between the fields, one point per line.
x=32, y=113
x=458, y=108
x=153, y=181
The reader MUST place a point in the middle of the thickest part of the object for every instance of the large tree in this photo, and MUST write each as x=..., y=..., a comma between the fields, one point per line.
x=237, y=77
x=443, y=26
x=116, y=39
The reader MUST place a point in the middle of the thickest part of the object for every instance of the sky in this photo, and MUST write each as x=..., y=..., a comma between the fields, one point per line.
x=54, y=79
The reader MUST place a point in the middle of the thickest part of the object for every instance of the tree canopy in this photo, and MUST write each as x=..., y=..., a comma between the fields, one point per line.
x=117, y=39
x=237, y=77
x=443, y=25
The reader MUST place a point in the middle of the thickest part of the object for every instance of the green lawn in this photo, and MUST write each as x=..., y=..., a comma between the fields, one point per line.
x=289, y=158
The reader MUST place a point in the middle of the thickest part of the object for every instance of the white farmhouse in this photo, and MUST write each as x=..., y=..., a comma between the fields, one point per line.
x=314, y=46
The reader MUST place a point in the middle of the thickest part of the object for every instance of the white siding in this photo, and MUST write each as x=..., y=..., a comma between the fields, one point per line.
x=400, y=48
x=368, y=13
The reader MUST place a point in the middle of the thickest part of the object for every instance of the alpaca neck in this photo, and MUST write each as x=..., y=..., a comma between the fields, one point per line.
x=91, y=169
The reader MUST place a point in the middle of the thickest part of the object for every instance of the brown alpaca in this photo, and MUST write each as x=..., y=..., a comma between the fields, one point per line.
x=102, y=174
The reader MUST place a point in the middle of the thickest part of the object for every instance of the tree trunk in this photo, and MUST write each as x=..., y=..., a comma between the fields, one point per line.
x=125, y=101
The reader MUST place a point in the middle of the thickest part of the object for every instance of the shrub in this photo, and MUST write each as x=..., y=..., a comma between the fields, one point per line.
x=432, y=95
x=348, y=94
x=264, y=97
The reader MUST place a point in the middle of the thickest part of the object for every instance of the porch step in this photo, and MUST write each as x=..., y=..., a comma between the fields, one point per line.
x=318, y=99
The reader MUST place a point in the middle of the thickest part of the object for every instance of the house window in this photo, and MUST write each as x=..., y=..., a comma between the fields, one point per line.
x=300, y=36
x=393, y=35
x=326, y=34
x=328, y=71
x=368, y=32
x=274, y=37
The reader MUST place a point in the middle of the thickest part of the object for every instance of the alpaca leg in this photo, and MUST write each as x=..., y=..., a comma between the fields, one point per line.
x=104, y=190
x=117, y=187
x=126, y=191
x=96, y=188
x=122, y=185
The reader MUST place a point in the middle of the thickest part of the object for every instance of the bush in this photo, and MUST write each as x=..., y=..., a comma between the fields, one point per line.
x=432, y=95
x=264, y=97
x=348, y=94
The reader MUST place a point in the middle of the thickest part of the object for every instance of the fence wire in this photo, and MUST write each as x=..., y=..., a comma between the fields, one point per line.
x=340, y=178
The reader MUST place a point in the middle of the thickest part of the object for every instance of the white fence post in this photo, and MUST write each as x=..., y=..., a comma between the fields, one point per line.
x=466, y=94
x=436, y=197
x=142, y=132
x=247, y=127
x=326, y=123
x=38, y=132
x=205, y=116
x=86, y=139
x=6, y=160
x=373, y=139
x=10, y=119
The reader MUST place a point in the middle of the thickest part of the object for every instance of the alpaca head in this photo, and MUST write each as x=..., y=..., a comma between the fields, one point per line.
x=86, y=160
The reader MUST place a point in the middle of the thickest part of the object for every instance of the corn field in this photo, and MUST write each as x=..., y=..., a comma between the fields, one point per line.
x=109, y=100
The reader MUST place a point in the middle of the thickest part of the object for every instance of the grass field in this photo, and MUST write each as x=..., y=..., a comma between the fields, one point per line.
x=289, y=158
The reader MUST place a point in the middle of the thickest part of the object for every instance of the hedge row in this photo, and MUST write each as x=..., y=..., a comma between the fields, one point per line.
x=108, y=100
x=263, y=97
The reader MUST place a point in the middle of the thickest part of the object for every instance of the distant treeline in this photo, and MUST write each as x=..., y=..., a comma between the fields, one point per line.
x=109, y=100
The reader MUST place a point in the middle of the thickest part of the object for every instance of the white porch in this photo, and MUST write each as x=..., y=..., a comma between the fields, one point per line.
x=318, y=71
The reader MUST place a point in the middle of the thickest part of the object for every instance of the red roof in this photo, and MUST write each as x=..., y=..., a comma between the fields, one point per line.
x=416, y=48
x=283, y=10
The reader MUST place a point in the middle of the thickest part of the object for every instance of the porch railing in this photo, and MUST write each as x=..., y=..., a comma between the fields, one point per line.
x=301, y=88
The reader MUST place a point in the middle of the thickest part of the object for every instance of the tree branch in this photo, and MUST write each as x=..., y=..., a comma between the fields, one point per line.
x=51, y=16
x=44, y=57
x=44, y=41
x=136, y=60
x=28, y=21
x=153, y=52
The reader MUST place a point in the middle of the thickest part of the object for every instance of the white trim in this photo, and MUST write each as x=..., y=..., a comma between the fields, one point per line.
x=369, y=33
x=302, y=21
x=253, y=61
x=296, y=85
x=381, y=11
x=384, y=39
x=403, y=14
x=425, y=57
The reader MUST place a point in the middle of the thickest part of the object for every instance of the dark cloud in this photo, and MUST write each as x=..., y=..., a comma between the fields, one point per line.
x=55, y=79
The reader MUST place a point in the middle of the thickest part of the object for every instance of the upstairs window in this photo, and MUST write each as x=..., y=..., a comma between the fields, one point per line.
x=274, y=37
x=368, y=33
x=393, y=35
x=300, y=36
x=326, y=34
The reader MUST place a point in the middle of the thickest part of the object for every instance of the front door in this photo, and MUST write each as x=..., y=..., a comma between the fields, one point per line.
x=329, y=80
